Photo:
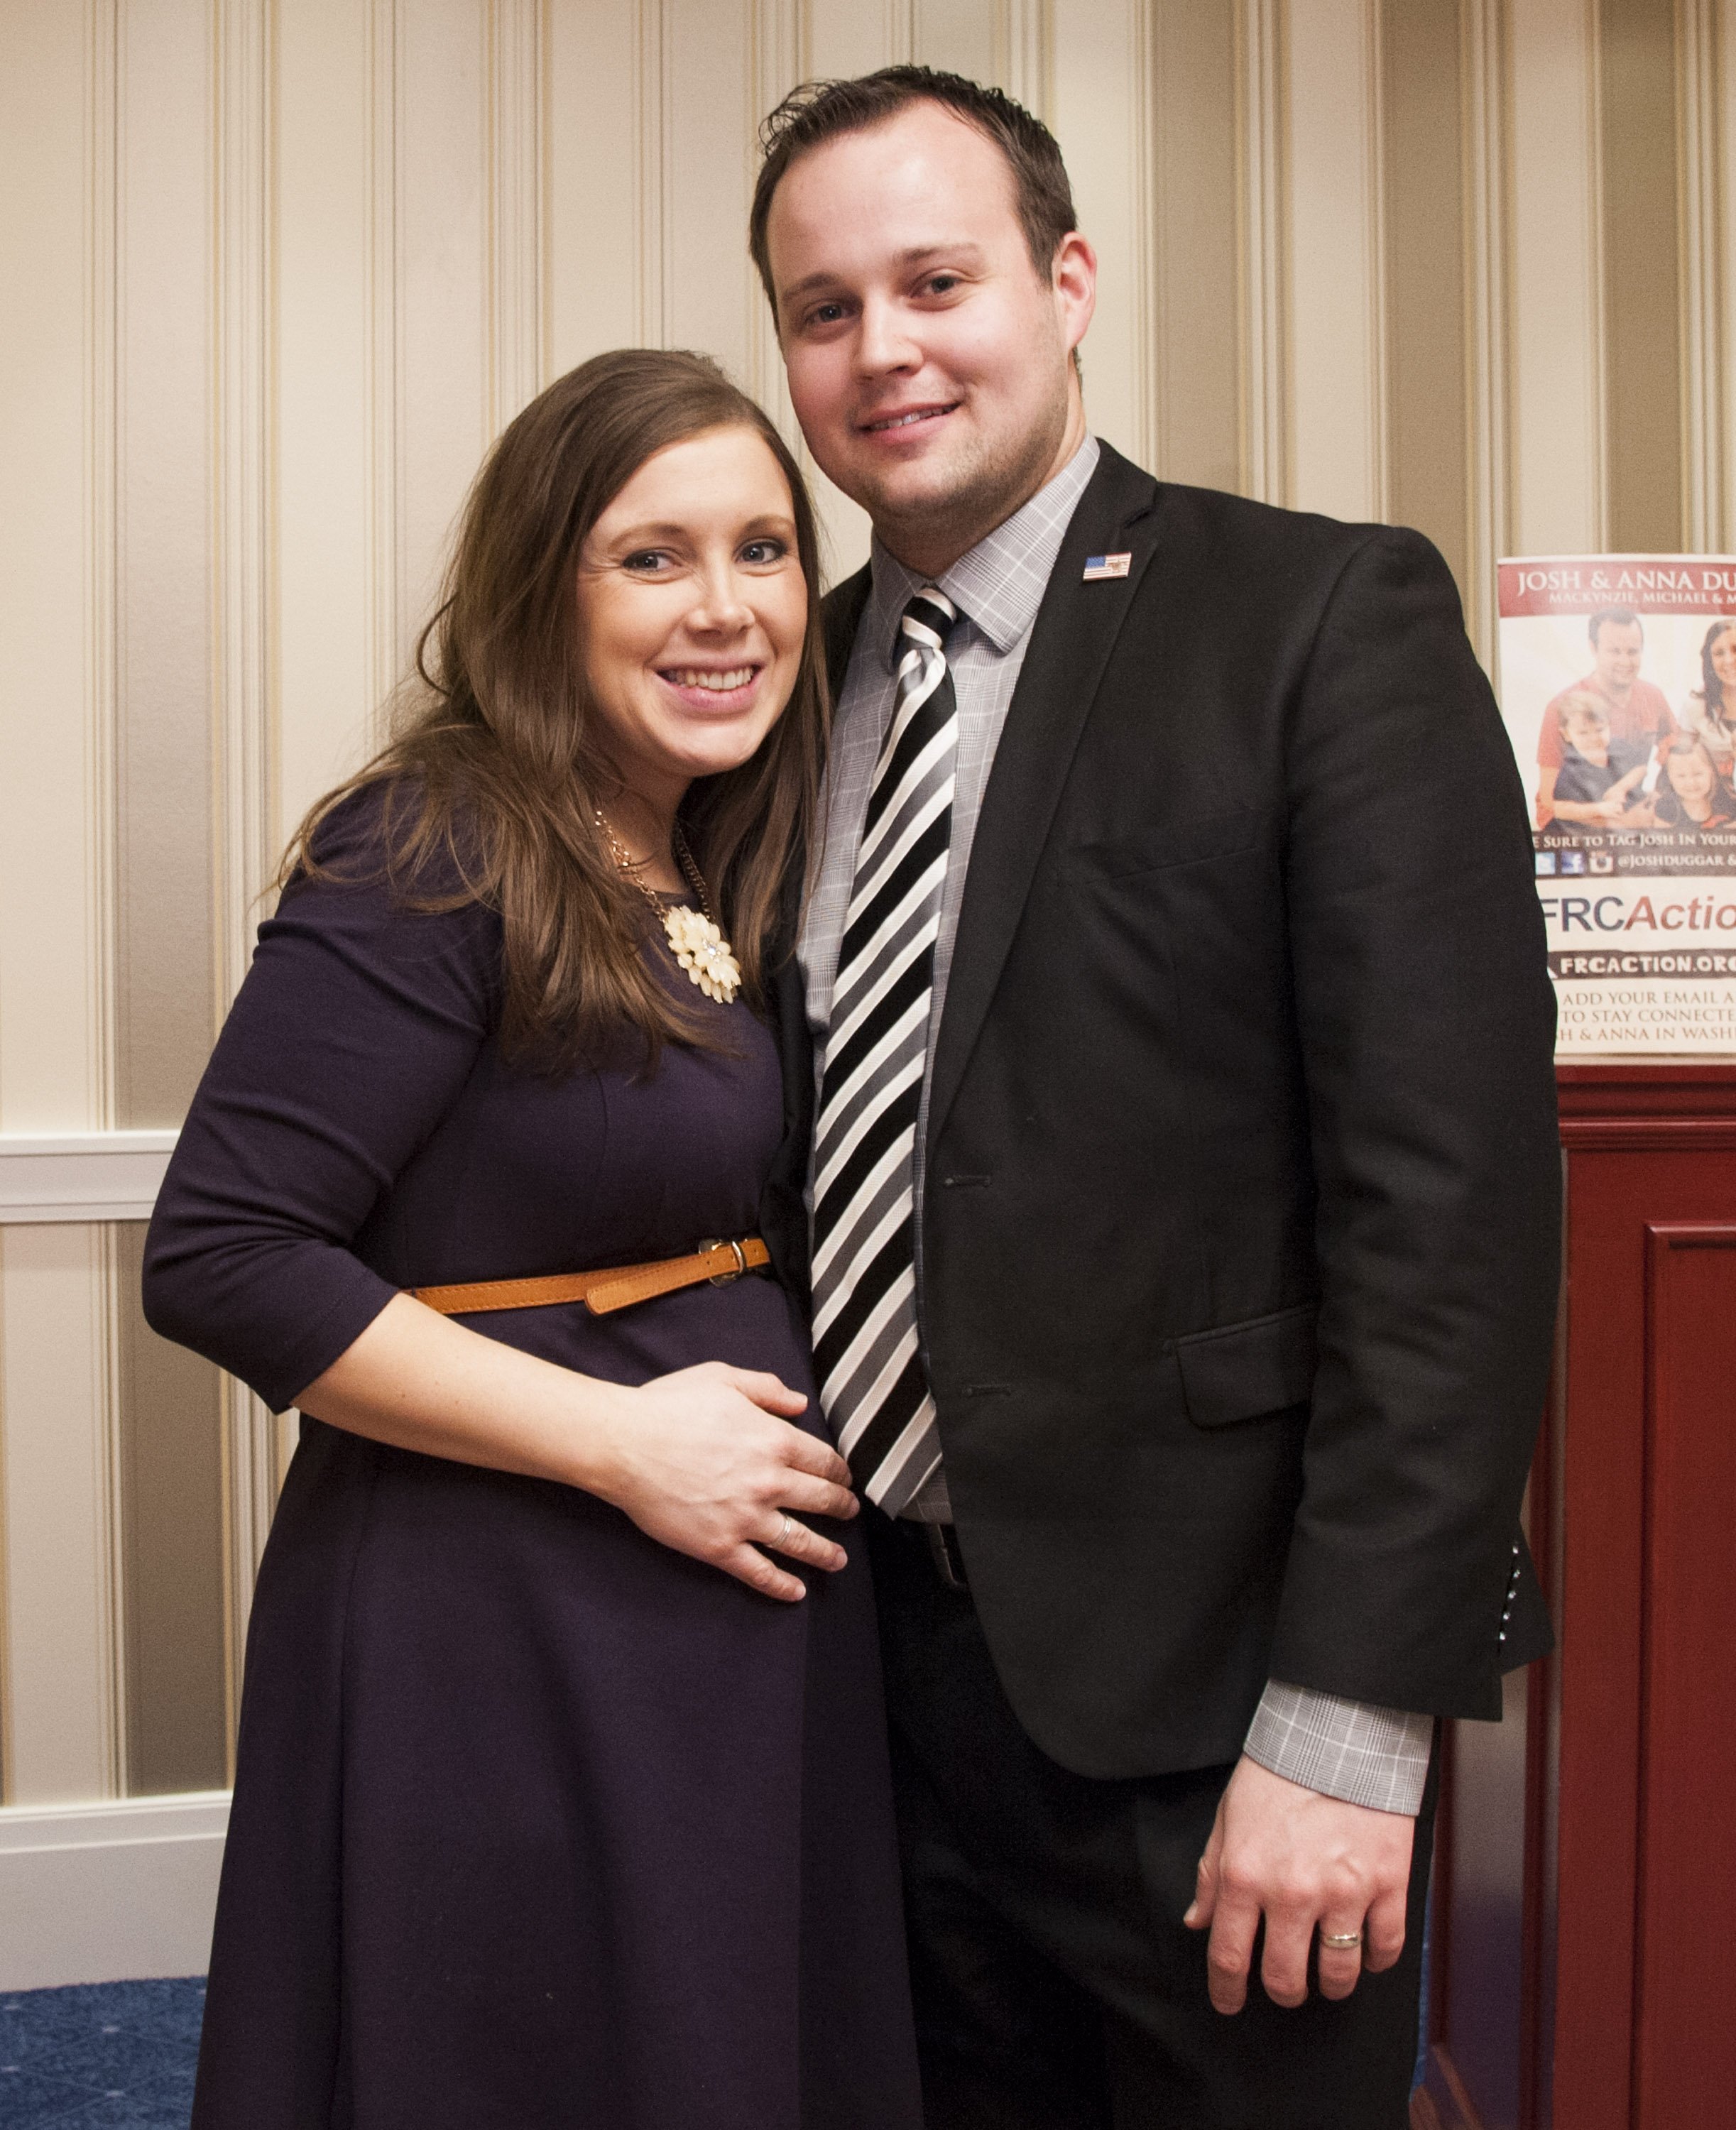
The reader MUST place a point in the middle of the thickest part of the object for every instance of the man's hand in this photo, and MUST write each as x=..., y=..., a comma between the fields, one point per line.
x=1304, y=1862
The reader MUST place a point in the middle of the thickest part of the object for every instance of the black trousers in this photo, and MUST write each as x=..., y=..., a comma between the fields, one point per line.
x=1056, y=1987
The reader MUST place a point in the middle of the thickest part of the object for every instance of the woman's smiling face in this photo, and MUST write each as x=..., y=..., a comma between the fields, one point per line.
x=693, y=609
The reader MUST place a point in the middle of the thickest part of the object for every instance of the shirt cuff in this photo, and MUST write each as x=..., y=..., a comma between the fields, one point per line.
x=1344, y=1749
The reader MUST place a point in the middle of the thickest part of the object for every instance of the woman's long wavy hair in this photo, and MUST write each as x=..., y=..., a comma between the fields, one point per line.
x=1710, y=686
x=490, y=782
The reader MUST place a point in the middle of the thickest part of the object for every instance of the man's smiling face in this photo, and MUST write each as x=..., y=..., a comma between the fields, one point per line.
x=928, y=360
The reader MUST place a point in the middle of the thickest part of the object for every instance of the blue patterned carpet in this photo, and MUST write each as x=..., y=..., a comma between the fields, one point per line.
x=106, y=2056
x=120, y=2055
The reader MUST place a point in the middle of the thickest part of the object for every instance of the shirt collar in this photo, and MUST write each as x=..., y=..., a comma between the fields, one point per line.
x=998, y=584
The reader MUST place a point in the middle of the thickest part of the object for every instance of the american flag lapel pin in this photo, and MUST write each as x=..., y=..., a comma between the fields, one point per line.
x=1099, y=567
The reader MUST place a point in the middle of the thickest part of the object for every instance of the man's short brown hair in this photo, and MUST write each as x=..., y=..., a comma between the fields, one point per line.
x=820, y=110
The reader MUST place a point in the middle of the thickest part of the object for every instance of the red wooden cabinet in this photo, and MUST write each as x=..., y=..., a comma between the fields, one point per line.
x=1585, y=1943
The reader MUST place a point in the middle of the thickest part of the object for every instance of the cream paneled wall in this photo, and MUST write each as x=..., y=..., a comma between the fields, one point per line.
x=279, y=269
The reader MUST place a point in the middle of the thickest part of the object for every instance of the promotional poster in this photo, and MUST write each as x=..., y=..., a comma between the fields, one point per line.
x=1618, y=685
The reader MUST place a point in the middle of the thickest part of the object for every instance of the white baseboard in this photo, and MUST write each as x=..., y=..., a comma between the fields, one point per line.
x=108, y=1893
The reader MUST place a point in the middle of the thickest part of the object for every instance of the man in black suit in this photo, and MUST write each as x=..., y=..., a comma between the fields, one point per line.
x=1182, y=1202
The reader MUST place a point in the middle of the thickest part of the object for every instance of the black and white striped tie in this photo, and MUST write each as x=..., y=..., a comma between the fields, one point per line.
x=872, y=1387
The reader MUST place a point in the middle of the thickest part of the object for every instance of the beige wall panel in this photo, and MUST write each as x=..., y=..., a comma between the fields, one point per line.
x=591, y=93
x=165, y=558
x=171, y=1550
x=1719, y=246
x=1641, y=282
x=854, y=36
x=57, y=1414
x=778, y=31
x=439, y=288
x=1025, y=53
x=708, y=163
x=325, y=668
x=518, y=333
x=1554, y=280
x=1263, y=261
x=1701, y=160
x=56, y=472
x=1193, y=324
x=1484, y=90
x=1102, y=78
x=1428, y=436
x=957, y=34
x=1335, y=282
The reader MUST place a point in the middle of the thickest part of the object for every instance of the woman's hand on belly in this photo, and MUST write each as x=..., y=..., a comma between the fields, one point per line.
x=708, y=1464
x=705, y=1460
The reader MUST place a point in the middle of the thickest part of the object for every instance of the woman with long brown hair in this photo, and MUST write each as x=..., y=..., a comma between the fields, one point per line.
x=561, y=1794
x=1709, y=711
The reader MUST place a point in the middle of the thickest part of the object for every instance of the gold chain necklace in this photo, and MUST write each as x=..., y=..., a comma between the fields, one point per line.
x=695, y=937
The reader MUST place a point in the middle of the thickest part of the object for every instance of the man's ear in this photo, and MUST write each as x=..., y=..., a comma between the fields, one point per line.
x=1073, y=278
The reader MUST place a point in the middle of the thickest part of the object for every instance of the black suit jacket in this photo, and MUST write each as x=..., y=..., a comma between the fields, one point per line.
x=1241, y=1237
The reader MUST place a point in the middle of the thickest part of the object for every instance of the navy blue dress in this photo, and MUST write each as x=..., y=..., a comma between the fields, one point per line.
x=536, y=1822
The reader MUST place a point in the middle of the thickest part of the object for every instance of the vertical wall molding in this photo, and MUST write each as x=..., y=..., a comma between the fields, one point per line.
x=1377, y=414
x=59, y=1393
x=1024, y=46
x=1558, y=438
x=104, y=106
x=246, y=710
x=1334, y=301
x=1483, y=72
x=1701, y=174
x=1597, y=270
x=778, y=59
x=384, y=363
x=1263, y=251
x=101, y=698
x=517, y=34
x=8, y=1790
x=106, y=1459
x=1142, y=178
x=653, y=191
x=1723, y=112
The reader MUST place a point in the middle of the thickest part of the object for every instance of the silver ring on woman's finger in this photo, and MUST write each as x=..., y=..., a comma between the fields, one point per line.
x=782, y=1542
x=1341, y=1941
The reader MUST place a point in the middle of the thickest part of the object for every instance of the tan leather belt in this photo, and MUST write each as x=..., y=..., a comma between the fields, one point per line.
x=618, y=1287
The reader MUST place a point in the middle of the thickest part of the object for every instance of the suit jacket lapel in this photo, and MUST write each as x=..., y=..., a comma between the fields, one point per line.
x=1071, y=640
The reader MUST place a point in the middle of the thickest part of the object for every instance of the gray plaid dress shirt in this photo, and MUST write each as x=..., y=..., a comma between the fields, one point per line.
x=1345, y=1749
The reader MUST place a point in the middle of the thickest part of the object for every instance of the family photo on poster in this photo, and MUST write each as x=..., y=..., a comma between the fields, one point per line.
x=1618, y=690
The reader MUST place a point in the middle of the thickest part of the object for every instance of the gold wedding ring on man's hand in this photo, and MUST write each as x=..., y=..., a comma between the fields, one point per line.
x=1341, y=1941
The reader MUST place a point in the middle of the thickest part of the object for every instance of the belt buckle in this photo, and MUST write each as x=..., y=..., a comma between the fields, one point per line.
x=724, y=1243
x=943, y=1548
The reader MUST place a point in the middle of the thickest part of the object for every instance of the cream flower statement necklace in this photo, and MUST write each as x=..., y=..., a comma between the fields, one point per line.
x=695, y=937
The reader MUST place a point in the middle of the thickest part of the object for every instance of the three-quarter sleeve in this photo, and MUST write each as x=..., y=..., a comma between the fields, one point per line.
x=354, y=1033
